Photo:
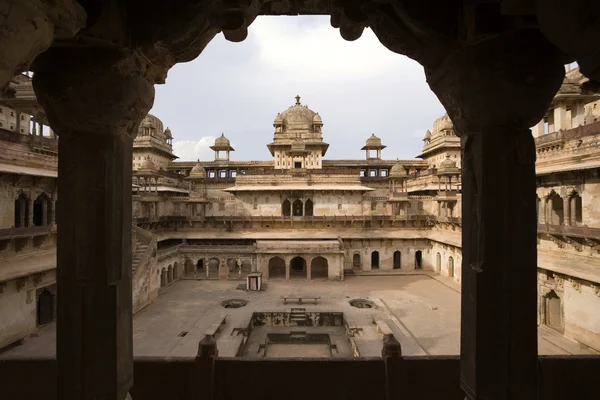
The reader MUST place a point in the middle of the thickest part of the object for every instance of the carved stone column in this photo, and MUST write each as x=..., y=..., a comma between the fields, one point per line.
x=95, y=99
x=29, y=212
x=566, y=211
x=52, y=212
x=478, y=85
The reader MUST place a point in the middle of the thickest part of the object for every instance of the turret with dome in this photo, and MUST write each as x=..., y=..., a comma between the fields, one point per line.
x=154, y=143
x=298, y=140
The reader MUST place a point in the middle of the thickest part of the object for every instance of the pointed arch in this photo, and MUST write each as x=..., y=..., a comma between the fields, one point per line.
x=397, y=259
x=297, y=208
x=286, y=208
x=308, y=208
x=276, y=268
x=319, y=268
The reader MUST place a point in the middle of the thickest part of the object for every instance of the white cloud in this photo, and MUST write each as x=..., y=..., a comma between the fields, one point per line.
x=320, y=52
x=189, y=150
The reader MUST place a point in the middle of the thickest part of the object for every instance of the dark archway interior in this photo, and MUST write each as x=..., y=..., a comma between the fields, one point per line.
x=298, y=268
x=297, y=208
x=40, y=209
x=356, y=261
x=276, y=268
x=308, y=208
x=375, y=260
x=397, y=259
x=21, y=211
x=286, y=208
x=200, y=265
x=319, y=268
x=451, y=267
x=418, y=259
x=45, y=307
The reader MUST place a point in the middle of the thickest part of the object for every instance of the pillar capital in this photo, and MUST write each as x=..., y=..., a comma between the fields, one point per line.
x=94, y=91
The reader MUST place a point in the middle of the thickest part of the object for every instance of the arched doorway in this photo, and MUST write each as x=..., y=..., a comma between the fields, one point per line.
x=176, y=273
x=170, y=275
x=375, y=260
x=397, y=259
x=556, y=209
x=286, y=208
x=554, y=313
x=451, y=267
x=200, y=266
x=45, y=307
x=163, y=278
x=319, y=268
x=438, y=262
x=308, y=208
x=297, y=208
x=418, y=259
x=276, y=268
x=188, y=268
x=213, y=268
x=233, y=268
x=21, y=211
x=356, y=261
x=40, y=210
x=298, y=268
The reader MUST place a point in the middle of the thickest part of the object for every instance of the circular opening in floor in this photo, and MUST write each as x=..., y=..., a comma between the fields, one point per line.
x=362, y=303
x=234, y=303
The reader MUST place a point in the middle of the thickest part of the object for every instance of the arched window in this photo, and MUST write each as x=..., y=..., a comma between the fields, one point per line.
x=375, y=260
x=397, y=259
x=356, y=261
x=286, y=208
x=555, y=208
x=297, y=208
x=576, y=205
x=308, y=208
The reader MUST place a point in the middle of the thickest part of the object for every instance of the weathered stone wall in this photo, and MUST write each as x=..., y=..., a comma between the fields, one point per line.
x=18, y=305
x=446, y=260
x=386, y=248
x=10, y=189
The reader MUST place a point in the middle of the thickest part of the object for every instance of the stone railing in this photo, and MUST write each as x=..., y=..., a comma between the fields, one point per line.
x=207, y=376
x=572, y=231
x=27, y=231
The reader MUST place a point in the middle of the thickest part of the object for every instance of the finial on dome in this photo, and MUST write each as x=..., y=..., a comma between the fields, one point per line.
x=297, y=99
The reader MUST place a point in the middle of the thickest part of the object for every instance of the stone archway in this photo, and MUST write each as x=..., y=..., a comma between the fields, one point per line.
x=575, y=208
x=319, y=268
x=397, y=259
x=163, y=278
x=277, y=268
x=170, y=274
x=298, y=268
x=418, y=259
x=554, y=311
x=308, y=208
x=286, y=208
x=233, y=269
x=176, y=272
x=45, y=307
x=213, y=268
x=451, y=267
x=297, y=208
x=556, y=209
x=200, y=267
x=438, y=262
x=375, y=260
x=188, y=267
x=40, y=210
x=356, y=261
x=21, y=211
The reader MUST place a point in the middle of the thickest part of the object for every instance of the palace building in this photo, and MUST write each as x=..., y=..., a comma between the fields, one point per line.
x=300, y=216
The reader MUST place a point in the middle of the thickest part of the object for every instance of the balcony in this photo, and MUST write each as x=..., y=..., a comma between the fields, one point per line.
x=395, y=377
x=584, y=232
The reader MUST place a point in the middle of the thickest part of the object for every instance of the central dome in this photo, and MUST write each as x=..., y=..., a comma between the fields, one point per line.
x=298, y=116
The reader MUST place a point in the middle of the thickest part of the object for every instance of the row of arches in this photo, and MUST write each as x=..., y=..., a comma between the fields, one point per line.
x=298, y=268
x=211, y=268
x=555, y=210
x=170, y=274
x=297, y=208
x=38, y=212
x=397, y=260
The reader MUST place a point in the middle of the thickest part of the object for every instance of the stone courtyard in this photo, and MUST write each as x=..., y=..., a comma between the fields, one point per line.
x=421, y=310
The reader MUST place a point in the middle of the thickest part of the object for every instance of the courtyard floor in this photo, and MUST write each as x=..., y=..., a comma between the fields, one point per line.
x=422, y=312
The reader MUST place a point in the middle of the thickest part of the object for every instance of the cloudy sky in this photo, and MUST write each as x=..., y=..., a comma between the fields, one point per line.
x=358, y=88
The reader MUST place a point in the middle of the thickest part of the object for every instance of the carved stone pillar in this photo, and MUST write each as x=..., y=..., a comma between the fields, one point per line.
x=52, y=212
x=95, y=99
x=566, y=211
x=478, y=85
x=29, y=212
